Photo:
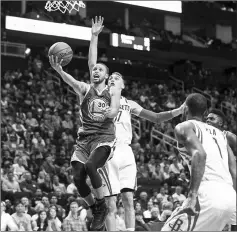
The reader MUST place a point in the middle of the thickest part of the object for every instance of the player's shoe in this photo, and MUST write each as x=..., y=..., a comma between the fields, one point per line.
x=100, y=212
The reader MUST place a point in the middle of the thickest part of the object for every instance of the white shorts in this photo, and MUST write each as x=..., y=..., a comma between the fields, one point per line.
x=216, y=204
x=120, y=172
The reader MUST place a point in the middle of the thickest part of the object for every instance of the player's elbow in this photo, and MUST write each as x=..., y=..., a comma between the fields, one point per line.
x=201, y=155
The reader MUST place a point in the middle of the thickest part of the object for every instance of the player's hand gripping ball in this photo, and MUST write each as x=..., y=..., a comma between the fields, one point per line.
x=63, y=51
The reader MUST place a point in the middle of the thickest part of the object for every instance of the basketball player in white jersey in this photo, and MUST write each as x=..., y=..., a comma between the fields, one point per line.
x=212, y=199
x=121, y=169
x=217, y=119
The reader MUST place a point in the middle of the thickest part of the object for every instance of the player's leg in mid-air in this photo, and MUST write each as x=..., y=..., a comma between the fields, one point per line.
x=122, y=175
x=84, y=164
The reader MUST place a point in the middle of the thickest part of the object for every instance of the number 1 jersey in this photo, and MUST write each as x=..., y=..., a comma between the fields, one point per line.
x=215, y=146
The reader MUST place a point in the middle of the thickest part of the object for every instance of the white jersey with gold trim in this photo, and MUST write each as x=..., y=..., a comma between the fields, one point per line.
x=215, y=145
x=123, y=120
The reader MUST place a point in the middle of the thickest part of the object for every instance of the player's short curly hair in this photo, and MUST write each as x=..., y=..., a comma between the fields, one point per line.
x=219, y=113
x=197, y=104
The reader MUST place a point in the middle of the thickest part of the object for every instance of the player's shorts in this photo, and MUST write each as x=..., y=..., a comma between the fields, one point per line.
x=121, y=171
x=215, y=205
x=87, y=144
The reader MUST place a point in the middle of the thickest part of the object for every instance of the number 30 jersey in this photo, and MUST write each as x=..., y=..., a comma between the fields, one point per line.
x=215, y=146
x=123, y=122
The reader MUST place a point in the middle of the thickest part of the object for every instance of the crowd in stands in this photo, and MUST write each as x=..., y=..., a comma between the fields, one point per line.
x=39, y=122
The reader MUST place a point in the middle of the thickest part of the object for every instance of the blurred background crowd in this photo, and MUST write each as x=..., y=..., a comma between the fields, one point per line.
x=40, y=118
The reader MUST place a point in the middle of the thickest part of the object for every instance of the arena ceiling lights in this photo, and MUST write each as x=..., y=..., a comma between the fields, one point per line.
x=171, y=6
x=48, y=28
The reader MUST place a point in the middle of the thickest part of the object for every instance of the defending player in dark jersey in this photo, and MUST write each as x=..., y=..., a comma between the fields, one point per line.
x=96, y=136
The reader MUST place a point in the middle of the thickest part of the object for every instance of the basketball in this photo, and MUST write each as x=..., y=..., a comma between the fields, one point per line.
x=62, y=51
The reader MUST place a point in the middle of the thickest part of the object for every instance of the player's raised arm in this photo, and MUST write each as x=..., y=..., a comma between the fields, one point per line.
x=97, y=27
x=78, y=86
x=139, y=111
x=185, y=134
x=232, y=165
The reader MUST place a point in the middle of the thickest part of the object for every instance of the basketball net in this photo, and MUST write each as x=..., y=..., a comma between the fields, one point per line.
x=64, y=6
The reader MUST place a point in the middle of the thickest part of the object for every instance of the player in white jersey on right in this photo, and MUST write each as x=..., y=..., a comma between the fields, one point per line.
x=121, y=169
x=217, y=119
x=212, y=199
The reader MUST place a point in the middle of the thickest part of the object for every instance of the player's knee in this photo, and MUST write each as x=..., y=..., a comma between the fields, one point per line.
x=111, y=203
x=90, y=167
x=127, y=198
x=79, y=180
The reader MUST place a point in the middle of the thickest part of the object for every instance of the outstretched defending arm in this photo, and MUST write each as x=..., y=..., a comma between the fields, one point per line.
x=78, y=86
x=97, y=27
x=185, y=134
x=232, y=165
x=232, y=141
x=137, y=110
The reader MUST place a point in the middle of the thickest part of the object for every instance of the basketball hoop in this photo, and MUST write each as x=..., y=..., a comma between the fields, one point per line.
x=64, y=6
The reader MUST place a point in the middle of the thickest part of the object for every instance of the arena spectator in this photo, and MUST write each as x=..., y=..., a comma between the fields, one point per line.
x=178, y=196
x=155, y=214
x=28, y=185
x=61, y=198
x=165, y=173
x=67, y=122
x=157, y=174
x=37, y=198
x=10, y=185
x=138, y=207
x=147, y=213
x=48, y=165
x=167, y=208
x=57, y=185
x=162, y=196
x=9, y=207
x=45, y=202
x=41, y=223
x=46, y=186
x=176, y=167
x=7, y=222
x=18, y=168
x=22, y=220
x=30, y=121
x=143, y=200
x=183, y=182
x=28, y=209
x=172, y=180
x=140, y=225
x=71, y=188
x=73, y=222
x=54, y=224
x=120, y=223
x=60, y=210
